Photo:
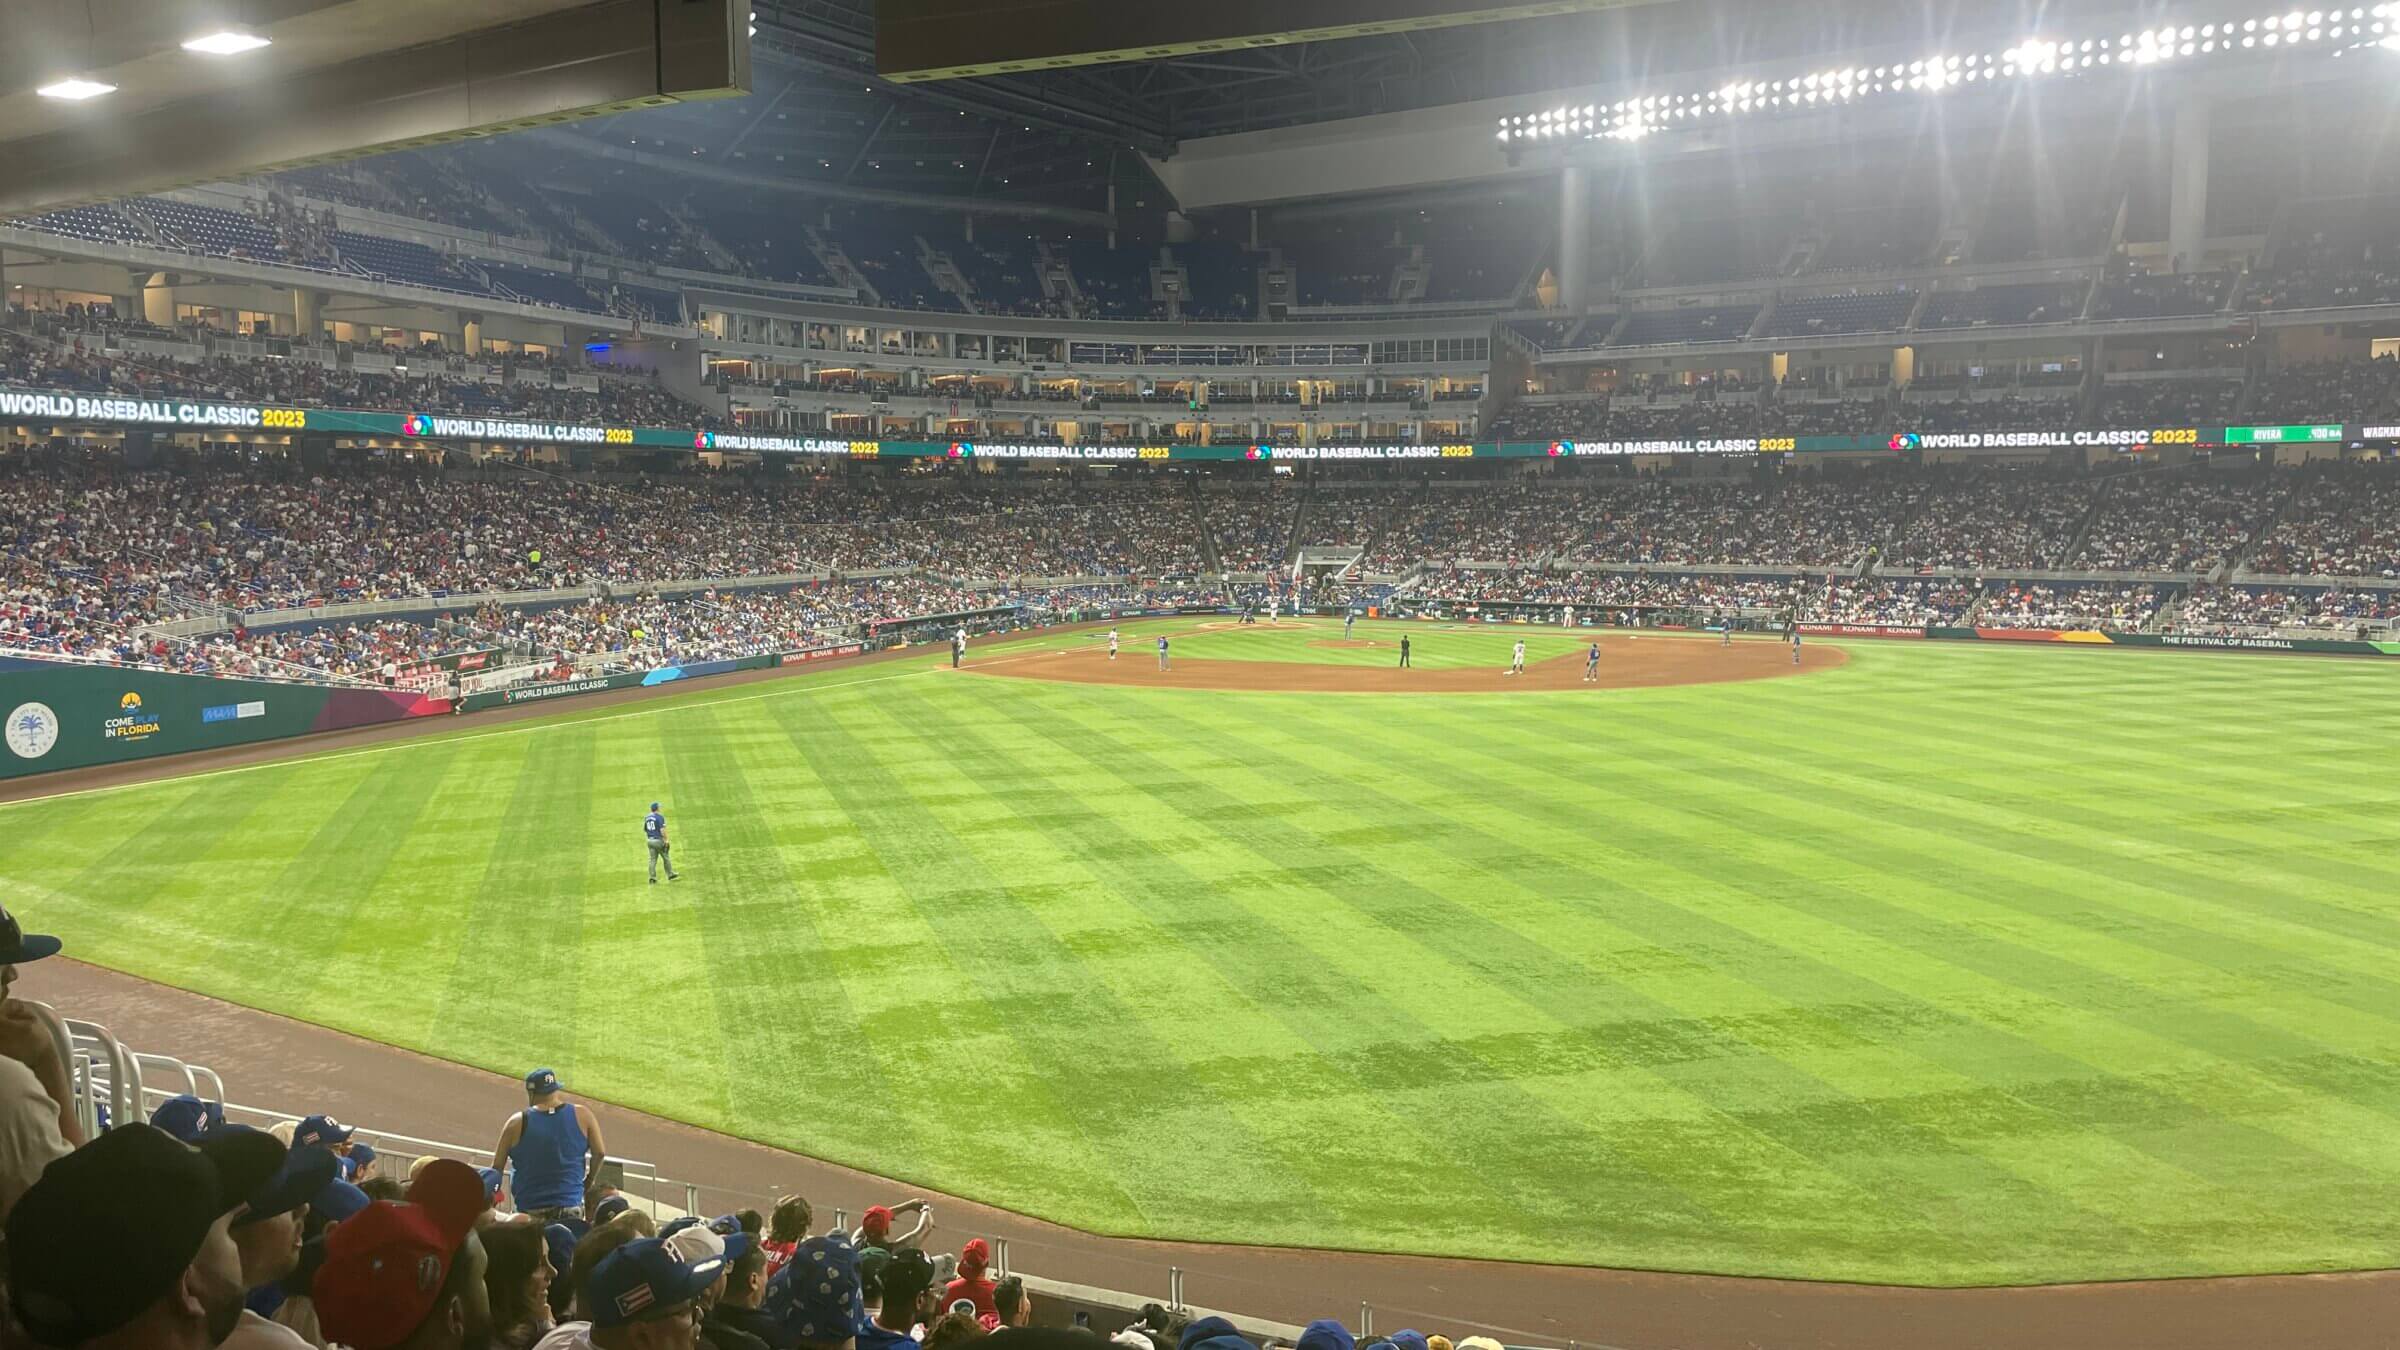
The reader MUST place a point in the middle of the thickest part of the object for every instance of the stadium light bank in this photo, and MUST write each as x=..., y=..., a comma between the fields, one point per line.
x=1634, y=118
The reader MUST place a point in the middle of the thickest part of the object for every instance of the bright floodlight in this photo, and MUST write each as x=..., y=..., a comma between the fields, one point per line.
x=227, y=43
x=75, y=90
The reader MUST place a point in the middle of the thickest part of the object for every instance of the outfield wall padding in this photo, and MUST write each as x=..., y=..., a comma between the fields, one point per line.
x=64, y=715
x=2171, y=641
x=593, y=684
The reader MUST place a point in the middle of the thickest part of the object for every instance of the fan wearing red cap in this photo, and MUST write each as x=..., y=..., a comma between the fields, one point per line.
x=974, y=1280
x=409, y=1276
x=875, y=1226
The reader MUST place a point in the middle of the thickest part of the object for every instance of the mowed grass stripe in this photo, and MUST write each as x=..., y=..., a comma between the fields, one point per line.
x=1875, y=962
x=1294, y=1019
x=1813, y=1000
x=532, y=881
x=1487, y=945
x=2223, y=1035
x=2151, y=896
x=1028, y=1068
x=1120, y=882
x=798, y=883
x=1848, y=1066
x=328, y=897
x=2345, y=973
x=2181, y=804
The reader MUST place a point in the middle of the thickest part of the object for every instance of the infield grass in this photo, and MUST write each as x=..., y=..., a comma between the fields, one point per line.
x=1955, y=964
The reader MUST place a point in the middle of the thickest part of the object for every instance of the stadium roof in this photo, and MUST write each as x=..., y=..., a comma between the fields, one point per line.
x=823, y=116
x=106, y=97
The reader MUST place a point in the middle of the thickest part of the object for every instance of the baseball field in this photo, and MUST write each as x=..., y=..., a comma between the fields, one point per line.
x=1926, y=963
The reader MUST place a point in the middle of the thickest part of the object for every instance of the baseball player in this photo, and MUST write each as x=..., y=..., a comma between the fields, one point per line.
x=1404, y=652
x=1162, y=651
x=1273, y=608
x=1591, y=663
x=1349, y=621
x=958, y=648
x=1795, y=644
x=1726, y=619
x=1112, y=644
x=1516, y=659
x=654, y=833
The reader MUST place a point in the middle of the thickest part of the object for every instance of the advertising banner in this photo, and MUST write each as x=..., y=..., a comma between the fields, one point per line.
x=1871, y=630
x=69, y=408
x=62, y=715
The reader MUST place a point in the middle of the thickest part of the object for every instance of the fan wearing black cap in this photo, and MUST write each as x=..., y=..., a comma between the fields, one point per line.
x=167, y=1276
x=37, y=1116
x=910, y=1296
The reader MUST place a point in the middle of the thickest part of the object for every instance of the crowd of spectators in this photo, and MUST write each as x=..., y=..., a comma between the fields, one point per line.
x=1347, y=517
x=2329, y=393
x=1907, y=602
x=619, y=399
x=1823, y=417
x=1988, y=519
x=136, y=546
x=1802, y=523
x=95, y=557
x=2342, y=521
x=2228, y=611
x=1611, y=590
x=2071, y=606
x=1252, y=525
x=2187, y=523
x=1495, y=523
x=2202, y=401
x=2008, y=412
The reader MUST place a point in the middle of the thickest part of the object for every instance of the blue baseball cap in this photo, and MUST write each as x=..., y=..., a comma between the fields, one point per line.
x=1327, y=1334
x=491, y=1182
x=654, y=806
x=360, y=1154
x=338, y=1201
x=304, y=1174
x=188, y=1118
x=541, y=1082
x=18, y=946
x=321, y=1130
x=560, y=1239
x=609, y=1209
x=642, y=1276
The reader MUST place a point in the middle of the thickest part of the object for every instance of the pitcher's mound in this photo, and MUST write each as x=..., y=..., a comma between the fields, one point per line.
x=1627, y=662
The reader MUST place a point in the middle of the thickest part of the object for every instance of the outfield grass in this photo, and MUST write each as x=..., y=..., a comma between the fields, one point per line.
x=1956, y=964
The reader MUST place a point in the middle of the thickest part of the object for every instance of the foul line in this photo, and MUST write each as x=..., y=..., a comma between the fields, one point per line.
x=531, y=726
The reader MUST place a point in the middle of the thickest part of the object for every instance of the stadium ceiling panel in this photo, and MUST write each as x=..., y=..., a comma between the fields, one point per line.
x=919, y=40
x=102, y=98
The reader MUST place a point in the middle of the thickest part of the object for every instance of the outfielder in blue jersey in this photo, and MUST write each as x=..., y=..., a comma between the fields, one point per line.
x=654, y=833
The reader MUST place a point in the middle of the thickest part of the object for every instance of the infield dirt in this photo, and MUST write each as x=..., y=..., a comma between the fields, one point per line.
x=1626, y=662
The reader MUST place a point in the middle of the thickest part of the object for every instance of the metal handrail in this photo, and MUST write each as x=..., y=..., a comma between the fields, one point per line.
x=124, y=1077
x=634, y=1168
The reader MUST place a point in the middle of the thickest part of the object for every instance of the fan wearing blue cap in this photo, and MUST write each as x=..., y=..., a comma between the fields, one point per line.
x=551, y=1151
x=37, y=1120
x=188, y=1118
x=646, y=1295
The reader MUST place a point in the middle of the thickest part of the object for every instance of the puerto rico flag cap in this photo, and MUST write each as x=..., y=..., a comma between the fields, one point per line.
x=643, y=1276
